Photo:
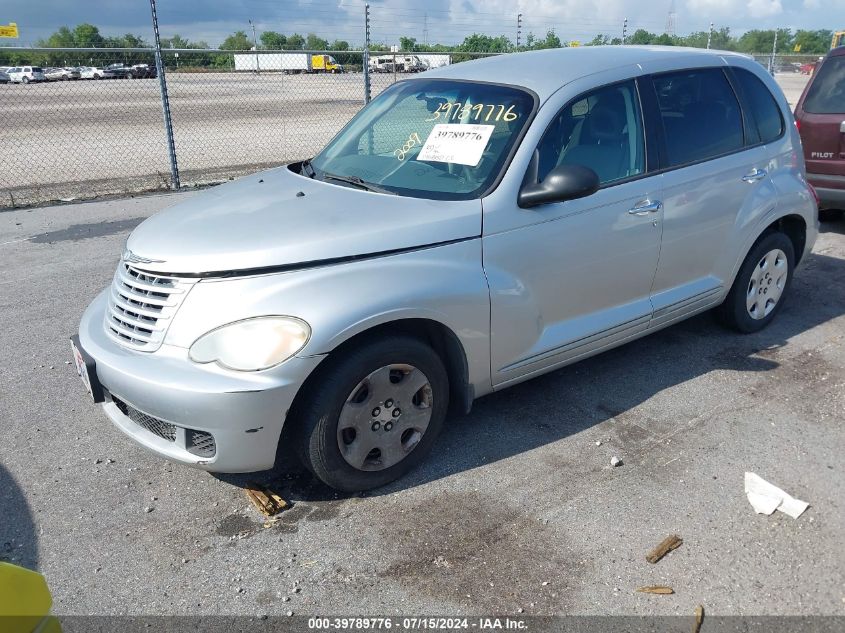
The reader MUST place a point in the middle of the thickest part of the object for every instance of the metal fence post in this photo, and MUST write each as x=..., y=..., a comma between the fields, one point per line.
x=165, y=102
x=366, y=57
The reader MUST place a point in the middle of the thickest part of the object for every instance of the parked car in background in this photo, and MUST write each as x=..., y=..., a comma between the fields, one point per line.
x=144, y=71
x=820, y=116
x=26, y=74
x=4, y=76
x=352, y=298
x=120, y=71
x=94, y=72
x=808, y=68
x=61, y=74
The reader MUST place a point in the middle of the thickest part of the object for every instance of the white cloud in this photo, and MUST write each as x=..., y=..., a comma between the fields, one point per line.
x=764, y=8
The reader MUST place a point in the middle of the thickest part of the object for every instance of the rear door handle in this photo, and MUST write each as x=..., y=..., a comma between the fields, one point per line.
x=645, y=207
x=754, y=175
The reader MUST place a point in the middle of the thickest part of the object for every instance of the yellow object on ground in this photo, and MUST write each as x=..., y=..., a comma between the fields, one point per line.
x=25, y=602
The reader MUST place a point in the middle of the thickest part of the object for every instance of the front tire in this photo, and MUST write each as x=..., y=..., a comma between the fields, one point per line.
x=761, y=285
x=373, y=414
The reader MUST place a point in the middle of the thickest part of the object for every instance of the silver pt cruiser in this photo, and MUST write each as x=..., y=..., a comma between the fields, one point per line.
x=470, y=228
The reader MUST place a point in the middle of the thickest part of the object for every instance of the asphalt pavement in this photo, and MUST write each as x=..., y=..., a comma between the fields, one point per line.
x=518, y=507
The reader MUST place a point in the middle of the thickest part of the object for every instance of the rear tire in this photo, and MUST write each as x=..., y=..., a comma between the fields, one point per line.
x=25, y=80
x=761, y=285
x=373, y=414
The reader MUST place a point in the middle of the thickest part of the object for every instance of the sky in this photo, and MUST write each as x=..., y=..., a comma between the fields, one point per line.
x=442, y=21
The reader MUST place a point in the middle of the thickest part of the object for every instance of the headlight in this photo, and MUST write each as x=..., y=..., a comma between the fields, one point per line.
x=252, y=344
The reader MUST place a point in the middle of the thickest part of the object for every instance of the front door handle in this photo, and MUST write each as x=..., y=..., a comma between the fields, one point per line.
x=645, y=207
x=754, y=175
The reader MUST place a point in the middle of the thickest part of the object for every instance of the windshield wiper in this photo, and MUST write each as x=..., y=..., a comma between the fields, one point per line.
x=306, y=169
x=358, y=182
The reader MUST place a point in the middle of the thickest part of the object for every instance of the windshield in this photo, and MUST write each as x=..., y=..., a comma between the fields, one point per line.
x=827, y=92
x=439, y=139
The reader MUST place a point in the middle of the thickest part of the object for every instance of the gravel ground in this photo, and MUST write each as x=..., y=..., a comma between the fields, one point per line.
x=81, y=139
x=518, y=507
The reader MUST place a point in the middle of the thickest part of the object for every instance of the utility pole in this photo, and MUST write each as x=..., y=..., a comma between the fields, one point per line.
x=624, y=31
x=774, y=52
x=255, y=47
x=165, y=102
x=366, y=53
x=518, y=29
x=710, y=36
x=425, y=29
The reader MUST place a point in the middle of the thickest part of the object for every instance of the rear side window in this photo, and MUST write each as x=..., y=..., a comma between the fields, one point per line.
x=37, y=69
x=700, y=113
x=827, y=92
x=764, y=109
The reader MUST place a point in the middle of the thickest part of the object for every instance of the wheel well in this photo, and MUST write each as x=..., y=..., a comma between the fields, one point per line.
x=442, y=340
x=435, y=334
x=795, y=228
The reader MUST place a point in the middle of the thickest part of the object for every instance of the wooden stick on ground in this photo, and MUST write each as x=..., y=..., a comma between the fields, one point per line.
x=666, y=545
x=267, y=502
x=699, y=618
x=658, y=589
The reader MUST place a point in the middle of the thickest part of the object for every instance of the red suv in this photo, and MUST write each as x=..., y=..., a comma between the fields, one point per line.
x=820, y=115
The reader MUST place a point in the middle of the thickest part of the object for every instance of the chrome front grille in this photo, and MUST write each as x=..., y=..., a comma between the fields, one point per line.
x=142, y=305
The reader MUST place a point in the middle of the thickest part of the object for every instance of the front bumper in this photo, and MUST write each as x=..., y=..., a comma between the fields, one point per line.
x=243, y=411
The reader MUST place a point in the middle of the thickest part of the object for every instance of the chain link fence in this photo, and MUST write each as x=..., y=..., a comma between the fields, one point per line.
x=232, y=113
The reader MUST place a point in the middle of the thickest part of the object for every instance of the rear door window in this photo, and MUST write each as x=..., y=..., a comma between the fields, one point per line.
x=827, y=92
x=764, y=110
x=700, y=113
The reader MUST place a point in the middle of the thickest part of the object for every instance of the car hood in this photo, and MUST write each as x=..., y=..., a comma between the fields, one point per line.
x=280, y=219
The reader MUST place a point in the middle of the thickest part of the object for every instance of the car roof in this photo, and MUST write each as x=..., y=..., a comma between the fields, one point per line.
x=532, y=69
x=837, y=52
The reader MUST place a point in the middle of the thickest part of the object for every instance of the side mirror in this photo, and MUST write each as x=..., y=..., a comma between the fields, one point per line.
x=564, y=182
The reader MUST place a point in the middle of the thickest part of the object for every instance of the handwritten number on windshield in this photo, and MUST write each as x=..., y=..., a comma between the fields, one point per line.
x=412, y=141
x=457, y=111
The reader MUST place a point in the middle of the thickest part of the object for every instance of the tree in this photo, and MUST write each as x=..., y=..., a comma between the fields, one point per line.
x=87, y=36
x=757, y=41
x=237, y=41
x=63, y=38
x=295, y=42
x=272, y=40
x=340, y=45
x=641, y=36
x=407, y=43
x=599, y=40
x=813, y=42
x=133, y=41
x=478, y=43
x=314, y=43
x=177, y=41
x=551, y=41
